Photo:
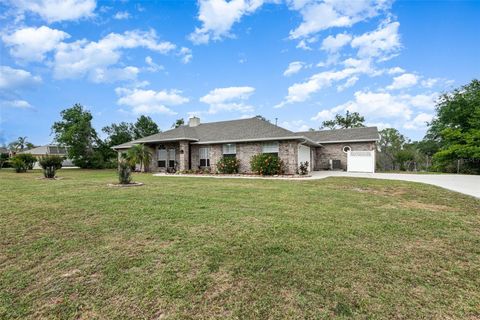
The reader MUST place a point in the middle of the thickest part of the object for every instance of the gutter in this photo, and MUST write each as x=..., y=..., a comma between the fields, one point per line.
x=257, y=139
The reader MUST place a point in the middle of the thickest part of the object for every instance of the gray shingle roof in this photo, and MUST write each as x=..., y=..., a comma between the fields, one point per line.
x=48, y=149
x=342, y=135
x=252, y=129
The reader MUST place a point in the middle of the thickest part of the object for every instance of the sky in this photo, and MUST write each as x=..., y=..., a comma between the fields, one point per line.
x=297, y=62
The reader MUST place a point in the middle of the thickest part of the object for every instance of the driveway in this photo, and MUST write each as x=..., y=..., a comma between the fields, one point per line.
x=467, y=184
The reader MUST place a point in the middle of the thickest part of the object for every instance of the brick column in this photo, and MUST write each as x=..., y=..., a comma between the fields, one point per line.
x=184, y=155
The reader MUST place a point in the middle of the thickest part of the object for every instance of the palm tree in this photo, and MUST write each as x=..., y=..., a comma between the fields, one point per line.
x=141, y=154
x=21, y=143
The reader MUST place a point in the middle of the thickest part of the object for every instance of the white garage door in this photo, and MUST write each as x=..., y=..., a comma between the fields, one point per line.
x=304, y=155
x=361, y=161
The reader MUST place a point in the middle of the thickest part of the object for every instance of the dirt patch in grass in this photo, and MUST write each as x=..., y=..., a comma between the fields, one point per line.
x=424, y=206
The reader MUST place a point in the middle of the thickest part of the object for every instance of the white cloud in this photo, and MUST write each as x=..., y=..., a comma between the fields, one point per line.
x=31, y=44
x=13, y=79
x=395, y=70
x=300, y=92
x=218, y=16
x=334, y=43
x=318, y=16
x=150, y=101
x=378, y=43
x=349, y=83
x=419, y=122
x=152, y=66
x=403, y=81
x=293, y=68
x=80, y=58
x=58, y=10
x=422, y=101
x=110, y=75
x=186, y=55
x=18, y=104
x=121, y=15
x=295, y=125
x=228, y=99
x=379, y=125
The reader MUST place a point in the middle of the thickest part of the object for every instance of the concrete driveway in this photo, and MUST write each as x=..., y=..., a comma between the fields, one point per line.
x=467, y=184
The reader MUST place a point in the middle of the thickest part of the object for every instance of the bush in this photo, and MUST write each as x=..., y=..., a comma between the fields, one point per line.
x=50, y=165
x=303, y=168
x=124, y=172
x=3, y=160
x=22, y=162
x=266, y=164
x=228, y=165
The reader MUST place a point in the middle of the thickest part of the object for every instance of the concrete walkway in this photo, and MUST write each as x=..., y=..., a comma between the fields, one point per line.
x=467, y=184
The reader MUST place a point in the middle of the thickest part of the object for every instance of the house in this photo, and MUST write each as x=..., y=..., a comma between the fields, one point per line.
x=201, y=145
x=49, y=150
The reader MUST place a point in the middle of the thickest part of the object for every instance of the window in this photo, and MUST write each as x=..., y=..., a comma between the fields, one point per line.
x=270, y=147
x=171, y=158
x=346, y=149
x=162, y=157
x=204, y=157
x=229, y=150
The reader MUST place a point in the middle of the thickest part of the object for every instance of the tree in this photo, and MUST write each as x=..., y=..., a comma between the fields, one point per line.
x=20, y=144
x=139, y=153
x=118, y=133
x=178, y=123
x=351, y=120
x=76, y=132
x=144, y=127
x=391, y=142
x=456, y=126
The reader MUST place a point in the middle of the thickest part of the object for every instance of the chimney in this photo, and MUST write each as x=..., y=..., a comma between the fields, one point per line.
x=193, y=122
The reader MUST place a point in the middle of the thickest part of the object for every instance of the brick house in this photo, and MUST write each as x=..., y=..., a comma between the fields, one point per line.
x=201, y=145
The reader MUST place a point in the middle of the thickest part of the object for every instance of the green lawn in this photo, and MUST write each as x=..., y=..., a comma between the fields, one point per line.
x=200, y=248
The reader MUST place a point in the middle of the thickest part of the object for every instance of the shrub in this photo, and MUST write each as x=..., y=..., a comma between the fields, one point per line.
x=50, y=165
x=22, y=162
x=266, y=164
x=3, y=160
x=228, y=165
x=303, y=168
x=124, y=172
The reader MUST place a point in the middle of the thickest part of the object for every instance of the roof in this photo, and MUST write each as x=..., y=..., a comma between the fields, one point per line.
x=343, y=135
x=4, y=150
x=251, y=129
x=48, y=149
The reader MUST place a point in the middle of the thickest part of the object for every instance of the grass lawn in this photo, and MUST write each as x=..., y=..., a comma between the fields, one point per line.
x=193, y=248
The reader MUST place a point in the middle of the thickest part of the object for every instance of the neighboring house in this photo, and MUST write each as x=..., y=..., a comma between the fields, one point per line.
x=49, y=150
x=202, y=145
x=4, y=151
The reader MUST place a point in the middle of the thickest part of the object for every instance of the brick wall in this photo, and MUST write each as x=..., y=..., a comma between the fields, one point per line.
x=335, y=151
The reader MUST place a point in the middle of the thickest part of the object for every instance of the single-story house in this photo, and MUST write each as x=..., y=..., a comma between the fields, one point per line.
x=201, y=145
x=49, y=150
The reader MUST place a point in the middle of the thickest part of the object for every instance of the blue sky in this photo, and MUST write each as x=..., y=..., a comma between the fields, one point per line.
x=301, y=61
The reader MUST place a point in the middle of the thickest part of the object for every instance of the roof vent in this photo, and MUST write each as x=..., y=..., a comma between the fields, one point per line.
x=193, y=122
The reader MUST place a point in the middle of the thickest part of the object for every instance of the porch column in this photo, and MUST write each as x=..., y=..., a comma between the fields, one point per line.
x=184, y=155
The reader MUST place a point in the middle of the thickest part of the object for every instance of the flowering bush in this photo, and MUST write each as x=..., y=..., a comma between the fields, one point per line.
x=228, y=165
x=267, y=164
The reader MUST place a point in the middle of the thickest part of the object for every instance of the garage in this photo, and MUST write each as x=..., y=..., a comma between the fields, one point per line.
x=361, y=161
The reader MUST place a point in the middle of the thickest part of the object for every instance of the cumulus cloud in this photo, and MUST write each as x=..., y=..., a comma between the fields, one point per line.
x=81, y=58
x=293, y=67
x=31, y=44
x=334, y=43
x=17, y=79
x=300, y=92
x=419, y=122
x=186, y=55
x=295, y=125
x=228, y=99
x=58, y=10
x=218, y=16
x=152, y=66
x=395, y=70
x=150, y=101
x=17, y=103
x=378, y=43
x=122, y=15
x=322, y=15
x=403, y=81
